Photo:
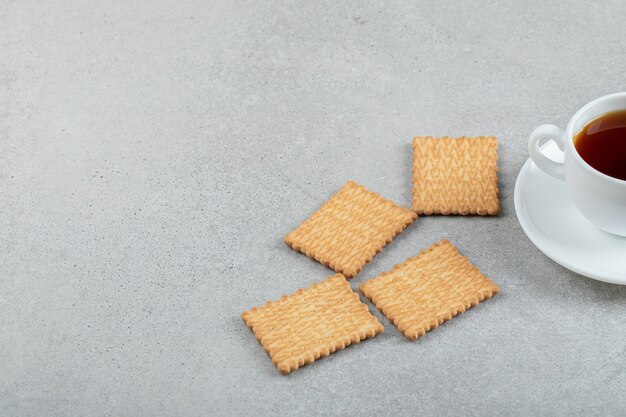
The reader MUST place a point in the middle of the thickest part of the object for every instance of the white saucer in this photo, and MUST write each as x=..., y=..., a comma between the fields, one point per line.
x=557, y=228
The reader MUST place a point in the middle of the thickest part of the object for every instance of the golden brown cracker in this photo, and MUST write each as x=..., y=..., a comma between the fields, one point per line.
x=312, y=323
x=426, y=290
x=455, y=175
x=350, y=228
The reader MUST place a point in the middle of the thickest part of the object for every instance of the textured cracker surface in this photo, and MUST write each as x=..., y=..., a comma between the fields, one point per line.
x=312, y=323
x=350, y=228
x=424, y=291
x=455, y=175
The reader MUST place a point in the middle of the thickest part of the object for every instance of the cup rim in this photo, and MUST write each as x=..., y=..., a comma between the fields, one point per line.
x=570, y=135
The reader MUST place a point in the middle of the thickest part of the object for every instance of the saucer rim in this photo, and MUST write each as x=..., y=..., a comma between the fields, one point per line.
x=534, y=235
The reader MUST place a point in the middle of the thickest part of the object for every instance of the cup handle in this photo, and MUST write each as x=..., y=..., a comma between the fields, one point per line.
x=547, y=165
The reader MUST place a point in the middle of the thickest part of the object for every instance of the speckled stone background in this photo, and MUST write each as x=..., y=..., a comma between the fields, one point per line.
x=154, y=153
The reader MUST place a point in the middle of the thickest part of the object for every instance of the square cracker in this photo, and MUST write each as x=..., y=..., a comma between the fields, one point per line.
x=312, y=323
x=349, y=229
x=455, y=175
x=424, y=291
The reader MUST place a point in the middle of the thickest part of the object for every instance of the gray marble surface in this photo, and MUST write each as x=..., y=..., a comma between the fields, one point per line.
x=154, y=153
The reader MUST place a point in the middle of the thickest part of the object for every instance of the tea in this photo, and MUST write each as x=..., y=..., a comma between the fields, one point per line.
x=602, y=144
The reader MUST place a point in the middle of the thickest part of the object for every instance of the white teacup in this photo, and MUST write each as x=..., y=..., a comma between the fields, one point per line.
x=599, y=197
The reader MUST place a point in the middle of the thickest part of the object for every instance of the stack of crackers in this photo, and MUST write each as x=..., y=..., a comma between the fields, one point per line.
x=450, y=176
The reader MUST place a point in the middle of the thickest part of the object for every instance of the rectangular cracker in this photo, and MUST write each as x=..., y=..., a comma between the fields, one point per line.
x=455, y=175
x=312, y=323
x=349, y=229
x=424, y=291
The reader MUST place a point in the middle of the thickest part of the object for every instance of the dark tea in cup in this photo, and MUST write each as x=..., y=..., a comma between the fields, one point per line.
x=602, y=144
x=594, y=160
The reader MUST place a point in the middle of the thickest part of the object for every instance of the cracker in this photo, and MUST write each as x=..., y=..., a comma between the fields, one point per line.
x=455, y=175
x=349, y=229
x=424, y=291
x=312, y=323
